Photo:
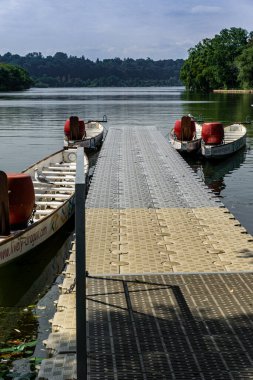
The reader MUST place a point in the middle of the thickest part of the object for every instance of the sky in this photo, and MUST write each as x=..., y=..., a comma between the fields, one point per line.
x=158, y=29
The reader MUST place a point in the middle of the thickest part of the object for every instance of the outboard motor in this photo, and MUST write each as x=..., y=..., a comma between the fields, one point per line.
x=74, y=128
x=212, y=133
x=185, y=129
x=21, y=199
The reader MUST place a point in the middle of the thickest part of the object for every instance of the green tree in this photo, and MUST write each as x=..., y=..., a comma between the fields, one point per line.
x=195, y=73
x=227, y=46
x=212, y=62
x=13, y=78
x=245, y=67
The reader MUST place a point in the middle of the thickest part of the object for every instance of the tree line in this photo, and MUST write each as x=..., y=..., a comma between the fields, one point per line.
x=222, y=62
x=13, y=78
x=61, y=70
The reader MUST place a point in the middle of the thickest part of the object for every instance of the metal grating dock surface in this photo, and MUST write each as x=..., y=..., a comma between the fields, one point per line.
x=169, y=292
x=190, y=326
x=137, y=168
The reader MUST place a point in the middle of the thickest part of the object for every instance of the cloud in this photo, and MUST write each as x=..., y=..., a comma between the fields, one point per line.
x=158, y=29
x=204, y=9
x=8, y=6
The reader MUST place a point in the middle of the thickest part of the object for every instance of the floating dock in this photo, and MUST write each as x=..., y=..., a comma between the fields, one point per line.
x=169, y=292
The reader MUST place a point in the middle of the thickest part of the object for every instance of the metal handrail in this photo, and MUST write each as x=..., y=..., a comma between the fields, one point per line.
x=80, y=194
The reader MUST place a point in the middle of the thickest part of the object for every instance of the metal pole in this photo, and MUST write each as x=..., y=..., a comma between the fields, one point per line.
x=80, y=192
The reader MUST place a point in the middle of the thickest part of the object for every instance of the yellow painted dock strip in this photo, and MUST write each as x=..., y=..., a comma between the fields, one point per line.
x=166, y=240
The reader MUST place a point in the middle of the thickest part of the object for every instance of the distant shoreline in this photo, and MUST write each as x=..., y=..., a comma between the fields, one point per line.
x=234, y=91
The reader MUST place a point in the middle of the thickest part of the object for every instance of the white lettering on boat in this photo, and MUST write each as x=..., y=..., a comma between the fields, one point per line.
x=31, y=239
x=17, y=246
x=5, y=253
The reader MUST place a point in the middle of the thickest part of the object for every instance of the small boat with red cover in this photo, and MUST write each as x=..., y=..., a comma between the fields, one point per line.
x=36, y=203
x=185, y=136
x=80, y=133
x=220, y=142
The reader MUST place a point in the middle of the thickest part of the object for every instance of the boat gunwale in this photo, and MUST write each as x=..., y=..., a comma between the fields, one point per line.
x=16, y=234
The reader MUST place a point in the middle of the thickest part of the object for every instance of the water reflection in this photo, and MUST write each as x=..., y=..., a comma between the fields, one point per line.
x=213, y=173
x=226, y=108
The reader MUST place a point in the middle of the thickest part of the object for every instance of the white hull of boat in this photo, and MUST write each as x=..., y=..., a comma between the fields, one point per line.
x=234, y=140
x=93, y=139
x=185, y=146
x=55, y=205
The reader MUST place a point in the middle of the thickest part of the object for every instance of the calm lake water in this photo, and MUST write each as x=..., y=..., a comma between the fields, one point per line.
x=31, y=126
